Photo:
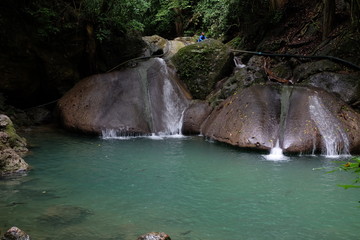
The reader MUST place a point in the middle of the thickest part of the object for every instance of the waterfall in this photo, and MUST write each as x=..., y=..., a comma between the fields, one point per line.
x=164, y=103
x=174, y=106
x=335, y=139
x=276, y=154
x=238, y=63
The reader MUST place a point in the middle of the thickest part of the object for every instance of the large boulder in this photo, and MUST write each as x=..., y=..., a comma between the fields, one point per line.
x=141, y=100
x=12, y=148
x=202, y=65
x=300, y=119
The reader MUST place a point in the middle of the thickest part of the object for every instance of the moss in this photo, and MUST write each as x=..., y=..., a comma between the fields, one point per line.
x=236, y=43
x=201, y=65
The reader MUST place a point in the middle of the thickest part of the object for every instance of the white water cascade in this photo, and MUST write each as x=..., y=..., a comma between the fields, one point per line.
x=335, y=139
x=276, y=154
x=164, y=104
x=238, y=63
x=174, y=107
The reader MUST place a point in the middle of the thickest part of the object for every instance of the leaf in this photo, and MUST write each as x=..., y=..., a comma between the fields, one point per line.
x=349, y=186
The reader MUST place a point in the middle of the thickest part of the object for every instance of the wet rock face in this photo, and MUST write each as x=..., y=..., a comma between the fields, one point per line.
x=131, y=101
x=302, y=119
x=12, y=148
x=247, y=119
x=15, y=233
x=154, y=236
x=194, y=116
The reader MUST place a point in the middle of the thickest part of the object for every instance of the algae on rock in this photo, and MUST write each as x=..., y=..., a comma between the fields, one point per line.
x=202, y=65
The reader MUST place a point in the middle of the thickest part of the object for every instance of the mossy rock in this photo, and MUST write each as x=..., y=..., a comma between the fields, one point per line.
x=12, y=148
x=202, y=65
x=9, y=137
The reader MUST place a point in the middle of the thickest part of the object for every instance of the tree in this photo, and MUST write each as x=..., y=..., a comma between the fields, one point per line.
x=328, y=17
x=277, y=4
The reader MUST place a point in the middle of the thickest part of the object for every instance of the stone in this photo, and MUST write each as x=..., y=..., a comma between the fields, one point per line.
x=15, y=233
x=64, y=215
x=11, y=162
x=201, y=65
x=133, y=101
x=194, y=116
x=154, y=236
x=298, y=117
x=12, y=149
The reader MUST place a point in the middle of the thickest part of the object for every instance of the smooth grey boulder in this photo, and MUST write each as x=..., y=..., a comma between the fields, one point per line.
x=141, y=100
x=300, y=119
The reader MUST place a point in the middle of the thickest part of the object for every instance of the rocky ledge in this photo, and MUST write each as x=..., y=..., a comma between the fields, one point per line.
x=12, y=149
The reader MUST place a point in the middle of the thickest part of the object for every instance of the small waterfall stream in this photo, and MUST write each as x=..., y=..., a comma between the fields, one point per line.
x=238, y=63
x=335, y=139
x=174, y=107
x=164, y=104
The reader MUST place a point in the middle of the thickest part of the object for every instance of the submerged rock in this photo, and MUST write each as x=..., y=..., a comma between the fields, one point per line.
x=12, y=148
x=154, y=236
x=302, y=119
x=15, y=233
x=64, y=215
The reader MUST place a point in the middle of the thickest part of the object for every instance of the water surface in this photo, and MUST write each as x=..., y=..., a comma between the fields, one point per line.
x=90, y=188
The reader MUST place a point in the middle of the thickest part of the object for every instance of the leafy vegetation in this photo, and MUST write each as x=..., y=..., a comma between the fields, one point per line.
x=352, y=166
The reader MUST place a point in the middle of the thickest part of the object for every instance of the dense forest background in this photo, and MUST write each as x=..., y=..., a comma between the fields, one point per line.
x=48, y=45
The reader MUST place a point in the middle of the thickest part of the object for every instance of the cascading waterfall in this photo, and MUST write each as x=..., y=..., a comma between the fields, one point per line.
x=174, y=107
x=164, y=104
x=238, y=63
x=335, y=139
x=276, y=153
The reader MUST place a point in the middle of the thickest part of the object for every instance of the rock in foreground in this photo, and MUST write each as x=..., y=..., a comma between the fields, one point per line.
x=15, y=233
x=154, y=236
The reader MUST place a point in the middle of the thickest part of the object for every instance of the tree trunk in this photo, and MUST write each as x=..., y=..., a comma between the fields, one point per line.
x=91, y=49
x=277, y=4
x=179, y=22
x=328, y=17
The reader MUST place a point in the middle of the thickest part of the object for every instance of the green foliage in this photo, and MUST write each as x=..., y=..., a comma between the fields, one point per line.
x=352, y=166
x=213, y=16
x=45, y=18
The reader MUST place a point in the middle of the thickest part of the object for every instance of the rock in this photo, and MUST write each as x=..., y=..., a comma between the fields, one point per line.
x=202, y=65
x=246, y=119
x=134, y=101
x=194, y=116
x=154, y=236
x=11, y=162
x=12, y=148
x=64, y=215
x=15, y=233
x=346, y=86
x=157, y=45
x=302, y=119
